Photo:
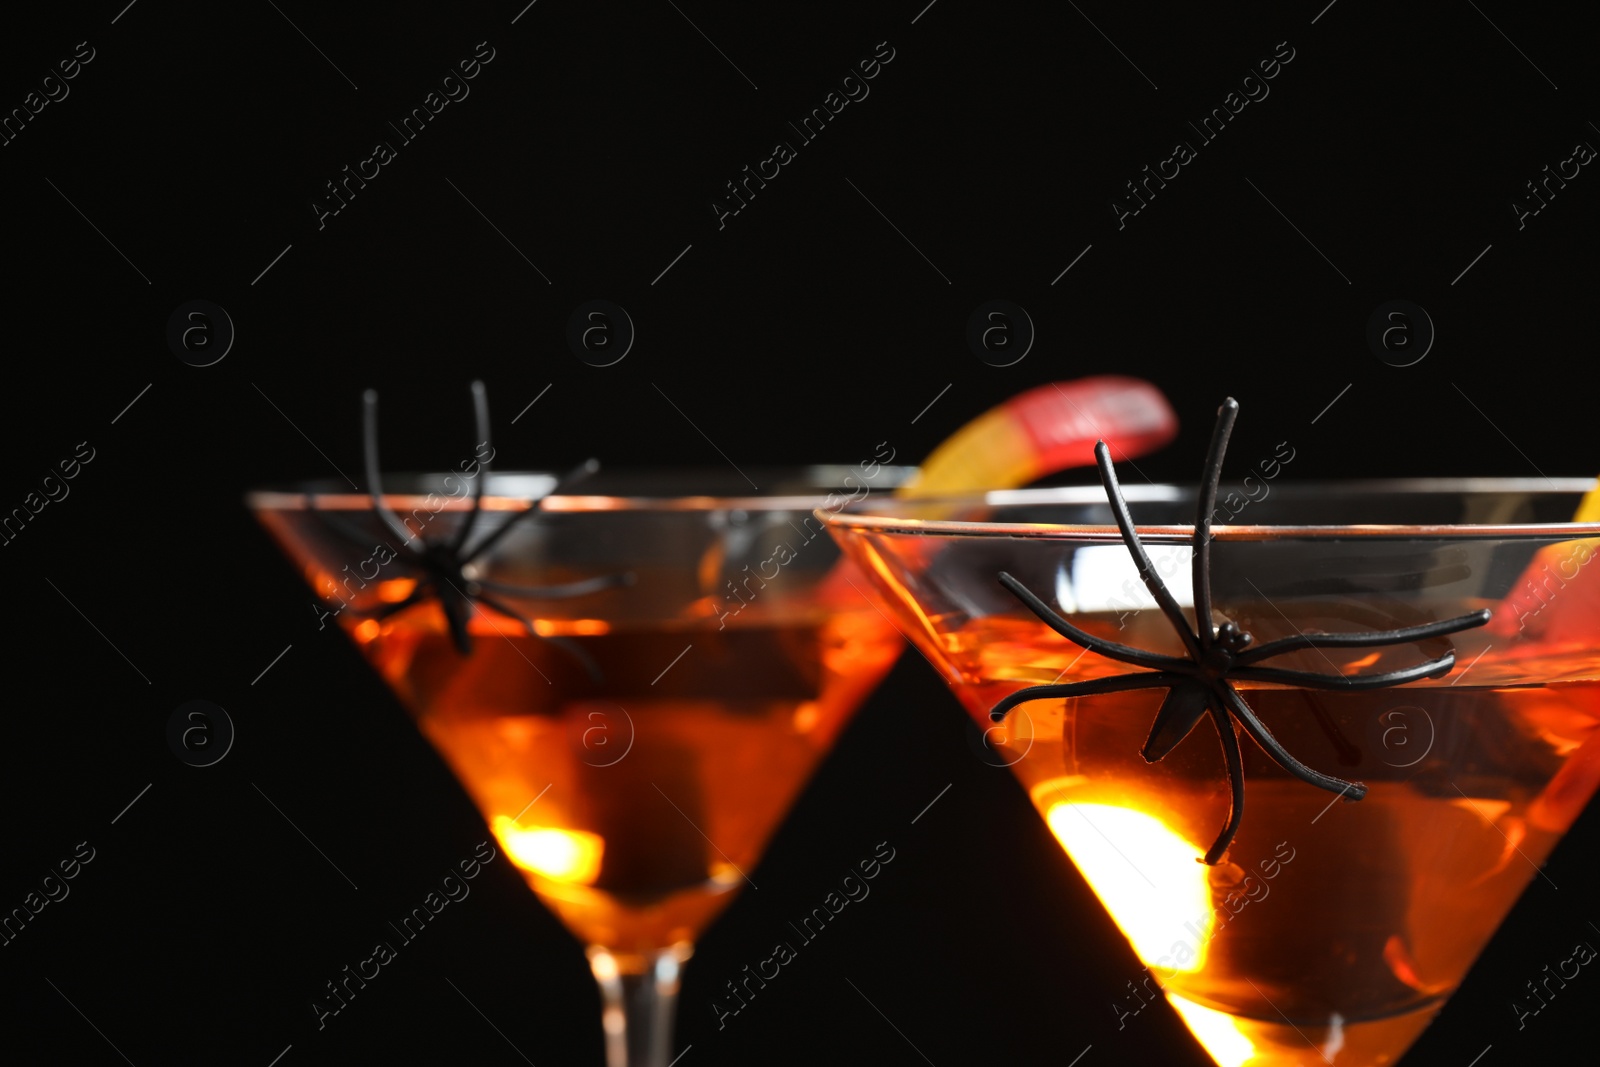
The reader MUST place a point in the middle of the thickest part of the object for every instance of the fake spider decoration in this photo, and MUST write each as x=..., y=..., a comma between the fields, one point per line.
x=1202, y=682
x=445, y=569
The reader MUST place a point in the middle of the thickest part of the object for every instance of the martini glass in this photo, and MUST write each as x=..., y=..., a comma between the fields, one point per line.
x=1329, y=931
x=633, y=742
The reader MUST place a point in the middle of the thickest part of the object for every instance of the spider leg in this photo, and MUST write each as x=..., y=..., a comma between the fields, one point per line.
x=1117, y=683
x=455, y=615
x=1141, y=559
x=480, y=411
x=1365, y=640
x=568, y=646
x=1110, y=649
x=1269, y=744
x=575, y=650
x=1180, y=711
x=557, y=592
x=369, y=448
x=577, y=474
x=1205, y=507
x=1230, y=752
x=1433, y=668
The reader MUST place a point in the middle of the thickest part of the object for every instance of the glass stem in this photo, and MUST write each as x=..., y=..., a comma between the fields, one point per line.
x=639, y=997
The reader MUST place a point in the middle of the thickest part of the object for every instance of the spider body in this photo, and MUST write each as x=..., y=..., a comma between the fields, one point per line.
x=1200, y=683
x=445, y=569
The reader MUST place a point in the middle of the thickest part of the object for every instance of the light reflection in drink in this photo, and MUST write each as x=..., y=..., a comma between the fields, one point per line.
x=1146, y=876
x=571, y=856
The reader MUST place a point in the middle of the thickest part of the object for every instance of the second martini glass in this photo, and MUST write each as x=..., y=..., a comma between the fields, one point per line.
x=633, y=686
x=1327, y=931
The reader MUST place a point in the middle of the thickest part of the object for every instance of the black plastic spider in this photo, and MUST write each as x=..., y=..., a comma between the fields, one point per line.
x=1202, y=682
x=442, y=567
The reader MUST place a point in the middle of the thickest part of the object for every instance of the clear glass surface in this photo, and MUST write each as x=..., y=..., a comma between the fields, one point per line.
x=1331, y=931
x=632, y=747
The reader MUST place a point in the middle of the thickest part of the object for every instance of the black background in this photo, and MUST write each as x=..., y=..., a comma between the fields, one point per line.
x=805, y=330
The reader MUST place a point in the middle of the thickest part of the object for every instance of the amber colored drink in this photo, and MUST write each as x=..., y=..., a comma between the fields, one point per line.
x=1331, y=930
x=635, y=798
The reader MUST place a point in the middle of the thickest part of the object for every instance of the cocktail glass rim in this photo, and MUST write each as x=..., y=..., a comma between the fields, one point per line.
x=894, y=517
x=515, y=490
x=860, y=514
x=638, y=1008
